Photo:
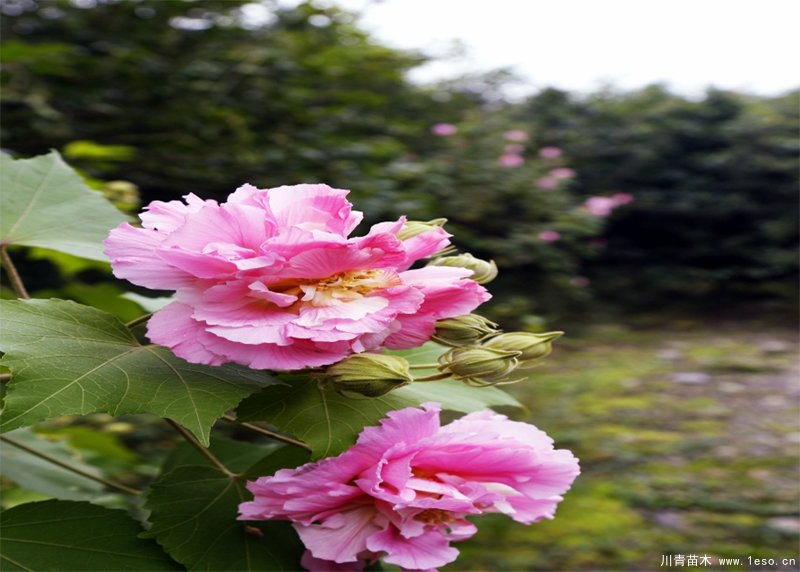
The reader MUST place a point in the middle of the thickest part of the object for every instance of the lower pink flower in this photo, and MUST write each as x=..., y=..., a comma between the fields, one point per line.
x=405, y=490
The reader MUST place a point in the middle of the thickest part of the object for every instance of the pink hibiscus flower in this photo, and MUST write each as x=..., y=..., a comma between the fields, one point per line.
x=444, y=129
x=562, y=173
x=270, y=279
x=549, y=236
x=511, y=160
x=403, y=492
x=600, y=206
x=516, y=135
x=547, y=183
x=622, y=198
x=550, y=152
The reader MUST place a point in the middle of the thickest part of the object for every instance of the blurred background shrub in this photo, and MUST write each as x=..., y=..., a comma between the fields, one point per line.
x=177, y=97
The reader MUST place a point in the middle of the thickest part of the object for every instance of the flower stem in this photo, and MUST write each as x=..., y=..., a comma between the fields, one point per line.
x=267, y=433
x=4, y=377
x=423, y=366
x=140, y=320
x=13, y=275
x=202, y=450
x=110, y=484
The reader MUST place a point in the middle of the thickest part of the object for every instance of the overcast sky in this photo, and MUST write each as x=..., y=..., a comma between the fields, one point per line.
x=750, y=45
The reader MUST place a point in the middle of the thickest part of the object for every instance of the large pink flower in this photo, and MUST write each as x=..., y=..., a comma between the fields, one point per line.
x=271, y=280
x=403, y=492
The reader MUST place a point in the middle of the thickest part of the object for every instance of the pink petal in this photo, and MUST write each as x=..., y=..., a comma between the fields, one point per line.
x=429, y=550
x=342, y=537
x=167, y=216
x=488, y=426
x=132, y=252
x=198, y=264
x=405, y=426
x=173, y=327
x=312, y=564
x=312, y=207
x=424, y=245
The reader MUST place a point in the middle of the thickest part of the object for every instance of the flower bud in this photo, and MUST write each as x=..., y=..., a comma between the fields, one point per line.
x=482, y=271
x=479, y=365
x=414, y=227
x=371, y=375
x=533, y=348
x=463, y=330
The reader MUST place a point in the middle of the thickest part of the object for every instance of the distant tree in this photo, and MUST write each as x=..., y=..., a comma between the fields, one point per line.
x=715, y=184
x=206, y=99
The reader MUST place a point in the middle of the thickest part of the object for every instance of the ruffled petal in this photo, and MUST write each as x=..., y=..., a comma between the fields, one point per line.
x=133, y=255
x=342, y=537
x=173, y=327
x=429, y=550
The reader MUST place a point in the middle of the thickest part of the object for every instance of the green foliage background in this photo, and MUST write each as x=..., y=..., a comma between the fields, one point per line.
x=181, y=97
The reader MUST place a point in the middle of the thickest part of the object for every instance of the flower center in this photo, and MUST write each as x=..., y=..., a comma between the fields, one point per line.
x=341, y=287
x=434, y=516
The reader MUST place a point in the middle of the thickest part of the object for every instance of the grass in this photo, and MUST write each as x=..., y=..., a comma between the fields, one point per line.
x=688, y=440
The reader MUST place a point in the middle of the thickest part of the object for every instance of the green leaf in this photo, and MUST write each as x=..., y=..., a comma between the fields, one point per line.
x=147, y=303
x=193, y=515
x=66, y=358
x=236, y=455
x=330, y=422
x=45, y=203
x=67, y=535
x=103, y=296
x=91, y=440
x=35, y=474
x=286, y=456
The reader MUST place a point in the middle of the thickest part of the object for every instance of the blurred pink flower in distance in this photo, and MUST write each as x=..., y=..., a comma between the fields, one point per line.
x=404, y=491
x=513, y=149
x=600, y=206
x=549, y=236
x=550, y=152
x=444, y=129
x=511, y=160
x=622, y=198
x=516, y=135
x=271, y=279
x=562, y=173
x=579, y=281
x=547, y=183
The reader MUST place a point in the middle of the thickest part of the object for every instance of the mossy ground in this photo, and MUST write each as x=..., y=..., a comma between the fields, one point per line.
x=689, y=440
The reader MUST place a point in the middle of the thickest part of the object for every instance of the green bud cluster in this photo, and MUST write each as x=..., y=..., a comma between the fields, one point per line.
x=533, y=348
x=464, y=330
x=483, y=271
x=491, y=361
x=479, y=365
x=369, y=374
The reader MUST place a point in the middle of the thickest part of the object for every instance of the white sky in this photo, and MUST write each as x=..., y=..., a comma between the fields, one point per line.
x=749, y=45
